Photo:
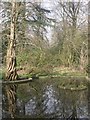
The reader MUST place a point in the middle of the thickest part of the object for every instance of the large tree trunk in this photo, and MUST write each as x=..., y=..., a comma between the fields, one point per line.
x=11, y=74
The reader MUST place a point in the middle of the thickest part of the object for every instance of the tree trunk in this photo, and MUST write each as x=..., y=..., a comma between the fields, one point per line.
x=11, y=74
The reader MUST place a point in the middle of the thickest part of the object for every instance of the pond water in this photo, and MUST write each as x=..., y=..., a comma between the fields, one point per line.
x=45, y=99
x=0, y=101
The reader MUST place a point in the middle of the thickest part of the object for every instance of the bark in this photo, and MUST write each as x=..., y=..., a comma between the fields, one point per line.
x=11, y=74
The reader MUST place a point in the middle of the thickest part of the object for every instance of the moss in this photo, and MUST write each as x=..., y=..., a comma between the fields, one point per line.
x=73, y=83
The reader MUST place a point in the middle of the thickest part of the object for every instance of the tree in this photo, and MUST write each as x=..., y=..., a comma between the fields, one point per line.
x=11, y=73
x=15, y=24
x=70, y=33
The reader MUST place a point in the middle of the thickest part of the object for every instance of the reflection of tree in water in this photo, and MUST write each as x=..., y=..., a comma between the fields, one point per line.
x=46, y=100
x=68, y=104
x=72, y=103
x=89, y=100
x=42, y=101
x=33, y=102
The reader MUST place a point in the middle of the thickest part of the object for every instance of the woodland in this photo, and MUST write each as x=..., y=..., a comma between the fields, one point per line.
x=42, y=39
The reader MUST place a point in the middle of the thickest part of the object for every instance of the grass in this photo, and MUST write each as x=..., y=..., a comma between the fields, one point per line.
x=25, y=76
x=56, y=72
x=52, y=75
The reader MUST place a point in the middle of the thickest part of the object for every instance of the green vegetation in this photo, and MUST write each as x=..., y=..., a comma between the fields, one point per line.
x=0, y=76
x=40, y=42
x=63, y=53
x=73, y=84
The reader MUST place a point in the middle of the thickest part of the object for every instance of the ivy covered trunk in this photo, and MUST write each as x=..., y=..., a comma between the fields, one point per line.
x=11, y=74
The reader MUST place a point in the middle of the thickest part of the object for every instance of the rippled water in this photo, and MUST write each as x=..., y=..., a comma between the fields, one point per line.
x=44, y=98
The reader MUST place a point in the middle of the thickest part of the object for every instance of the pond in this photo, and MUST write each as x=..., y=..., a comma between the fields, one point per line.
x=44, y=98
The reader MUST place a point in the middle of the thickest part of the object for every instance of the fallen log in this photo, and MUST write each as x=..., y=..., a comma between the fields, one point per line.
x=17, y=81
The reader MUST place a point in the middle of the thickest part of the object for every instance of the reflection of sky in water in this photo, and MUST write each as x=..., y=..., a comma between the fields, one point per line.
x=30, y=107
x=50, y=100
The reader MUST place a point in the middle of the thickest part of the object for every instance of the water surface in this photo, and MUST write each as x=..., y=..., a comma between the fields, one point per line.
x=44, y=98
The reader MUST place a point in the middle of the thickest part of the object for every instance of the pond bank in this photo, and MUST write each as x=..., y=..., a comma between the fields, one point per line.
x=25, y=79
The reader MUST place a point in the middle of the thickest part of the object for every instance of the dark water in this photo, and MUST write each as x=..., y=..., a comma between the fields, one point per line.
x=0, y=101
x=44, y=98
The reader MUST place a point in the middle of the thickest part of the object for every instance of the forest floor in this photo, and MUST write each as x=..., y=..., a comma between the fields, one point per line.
x=56, y=72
